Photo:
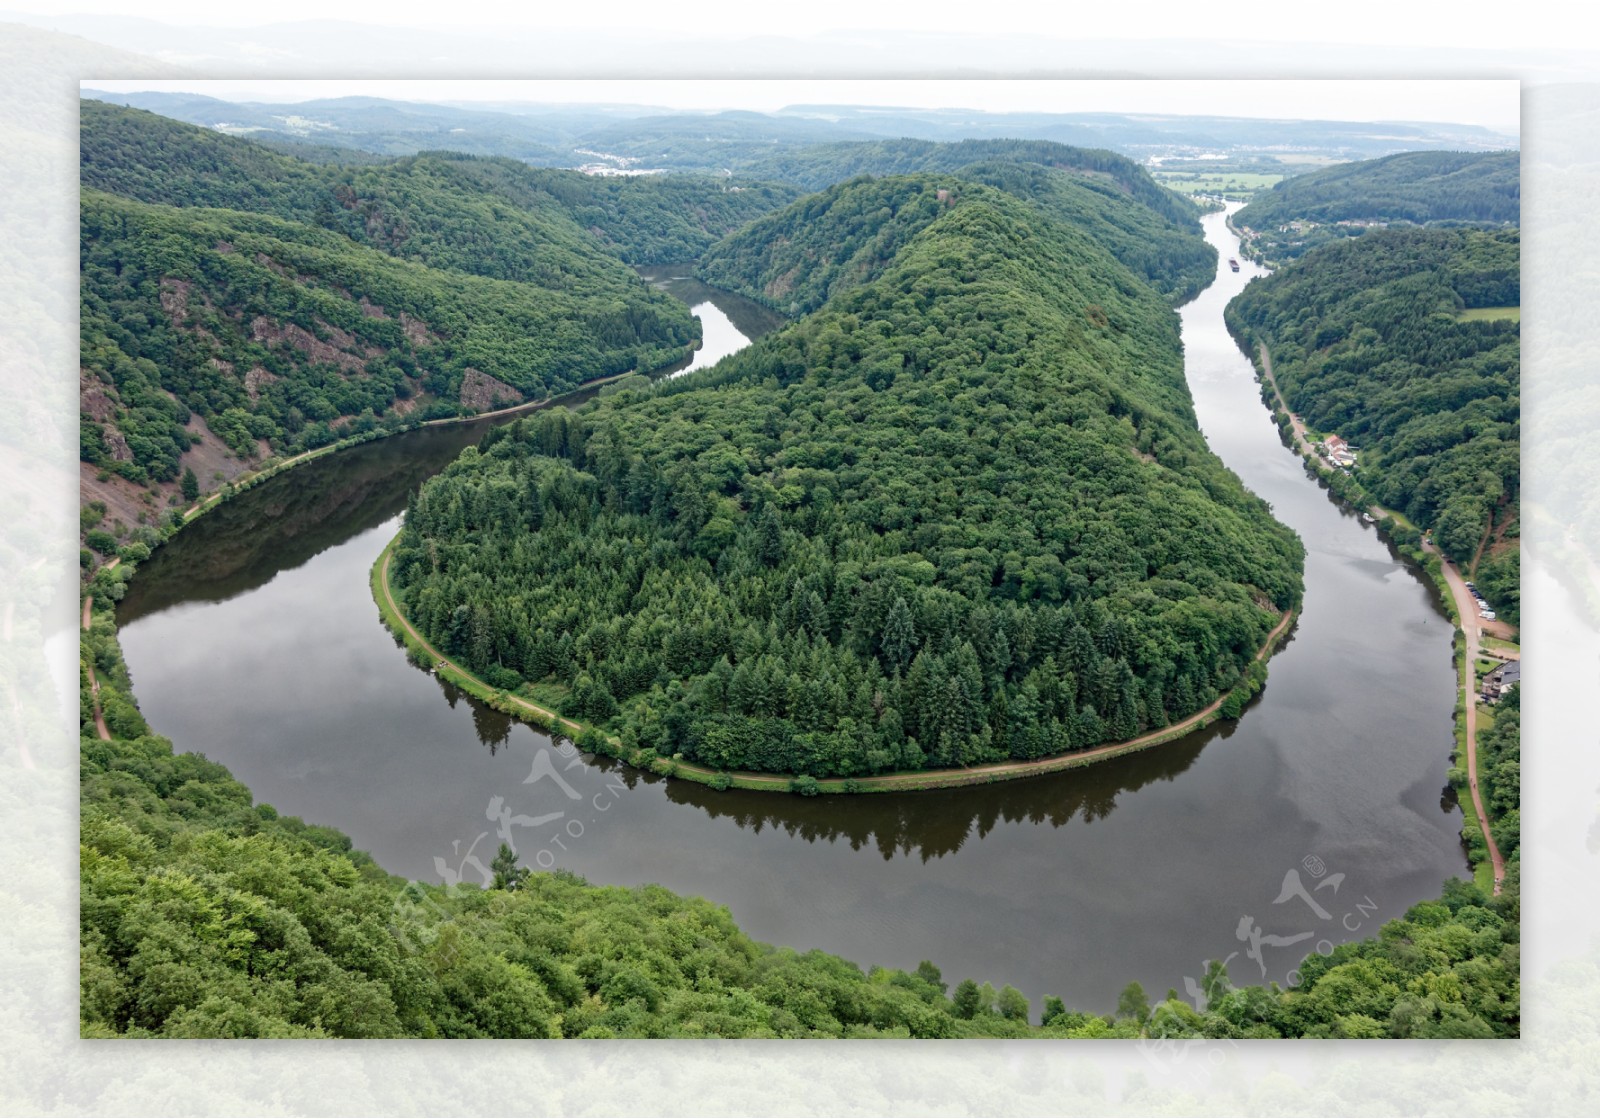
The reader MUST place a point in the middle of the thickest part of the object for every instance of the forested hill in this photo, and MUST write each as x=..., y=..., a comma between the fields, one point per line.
x=276, y=331
x=796, y=259
x=491, y=216
x=1148, y=228
x=1417, y=188
x=238, y=302
x=1406, y=344
x=824, y=165
x=961, y=513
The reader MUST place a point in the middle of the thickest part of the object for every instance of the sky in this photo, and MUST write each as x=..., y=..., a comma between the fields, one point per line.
x=1493, y=104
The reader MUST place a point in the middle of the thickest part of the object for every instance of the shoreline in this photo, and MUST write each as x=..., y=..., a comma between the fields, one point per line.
x=426, y=656
x=1465, y=649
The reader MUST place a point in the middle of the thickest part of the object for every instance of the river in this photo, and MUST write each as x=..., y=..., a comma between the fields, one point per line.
x=252, y=637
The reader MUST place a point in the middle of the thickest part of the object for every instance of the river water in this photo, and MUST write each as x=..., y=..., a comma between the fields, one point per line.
x=252, y=637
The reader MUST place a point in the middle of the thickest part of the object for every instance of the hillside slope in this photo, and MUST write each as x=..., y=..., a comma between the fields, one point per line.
x=961, y=513
x=489, y=216
x=795, y=259
x=275, y=334
x=1374, y=340
x=1415, y=188
x=1148, y=228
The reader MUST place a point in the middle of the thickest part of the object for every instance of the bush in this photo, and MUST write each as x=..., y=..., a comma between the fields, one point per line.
x=720, y=782
x=805, y=785
x=499, y=676
x=101, y=541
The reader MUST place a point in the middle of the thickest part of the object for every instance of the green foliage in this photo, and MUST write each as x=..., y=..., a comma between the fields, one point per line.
x=1132, y=1003
x=1365, y=343
x=493, y=217
x=507, y=874
x=295, y=303
x=1500, y=771
x=1417, y=188
x=961, y=514
x=205, y=915
x=797, y=259
x=273, y=330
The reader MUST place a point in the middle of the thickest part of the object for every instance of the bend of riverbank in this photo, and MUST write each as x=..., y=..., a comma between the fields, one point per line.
x=273, y=469
x=1452, y=585
x=509, y=703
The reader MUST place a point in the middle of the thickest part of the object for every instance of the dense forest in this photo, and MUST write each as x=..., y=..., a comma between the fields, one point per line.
x=234, y=293
x=839, y=552
x=796, y=259
x=1157, y=236
x=488, y=216
x=1411, y=188
x=1372, y=340
x=277, y=331
x=205, y=914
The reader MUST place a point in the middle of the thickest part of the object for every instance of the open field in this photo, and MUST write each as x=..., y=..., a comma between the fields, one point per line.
x=1489, y=314
x=1231, y=183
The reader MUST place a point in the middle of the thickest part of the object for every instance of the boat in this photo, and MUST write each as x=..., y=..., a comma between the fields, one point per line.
x=1234, y=264
x=1369, y=518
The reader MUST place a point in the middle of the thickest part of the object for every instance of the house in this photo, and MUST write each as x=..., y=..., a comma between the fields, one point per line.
x=1501, y=680
x=1339, y=452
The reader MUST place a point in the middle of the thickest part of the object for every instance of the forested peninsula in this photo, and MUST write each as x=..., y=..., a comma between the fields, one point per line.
x=1406, y=344
x=960, y=514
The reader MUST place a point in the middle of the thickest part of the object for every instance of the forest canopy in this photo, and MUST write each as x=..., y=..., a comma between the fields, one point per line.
x=1146, y=227
x=234, y=292
x=961, y=513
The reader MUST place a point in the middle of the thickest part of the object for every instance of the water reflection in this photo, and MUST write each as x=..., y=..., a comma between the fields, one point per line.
x=288, y=520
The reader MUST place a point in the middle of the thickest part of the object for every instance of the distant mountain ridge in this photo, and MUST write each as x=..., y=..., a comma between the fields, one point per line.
x=673, y=139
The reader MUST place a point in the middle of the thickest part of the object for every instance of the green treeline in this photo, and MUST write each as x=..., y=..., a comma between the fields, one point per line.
x=961, y=514
x=1368, y=342
x=1415, y=188
x=203, y=914
x=1500, y=772
x=796, y=259
x=488, y=216
x=823, y=165
x=275, y=330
